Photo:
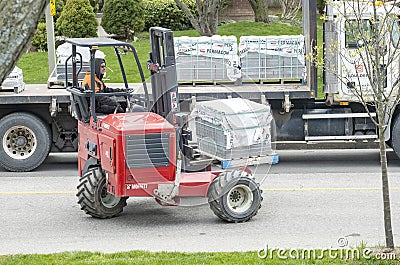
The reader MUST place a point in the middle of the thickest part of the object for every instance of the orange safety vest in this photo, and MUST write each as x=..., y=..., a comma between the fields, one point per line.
x=98, y=83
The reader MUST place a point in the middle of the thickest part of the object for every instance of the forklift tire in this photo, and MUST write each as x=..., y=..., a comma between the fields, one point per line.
x=234, y=196
x=25, y=142
x=94, y=198
x=395, y=139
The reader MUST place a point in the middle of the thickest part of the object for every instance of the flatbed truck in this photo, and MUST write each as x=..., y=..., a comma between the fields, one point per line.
x=38, y=120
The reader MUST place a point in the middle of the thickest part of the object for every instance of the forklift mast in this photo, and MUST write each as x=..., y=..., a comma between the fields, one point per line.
x=164, y=86
x=162, y=66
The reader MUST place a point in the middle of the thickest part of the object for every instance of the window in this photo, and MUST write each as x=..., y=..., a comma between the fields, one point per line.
x=357, y=32
x=396, y=32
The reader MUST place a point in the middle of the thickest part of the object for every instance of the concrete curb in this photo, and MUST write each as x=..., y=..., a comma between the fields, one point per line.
x=302, y=145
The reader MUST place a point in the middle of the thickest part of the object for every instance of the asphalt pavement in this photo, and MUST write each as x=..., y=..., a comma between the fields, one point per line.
x=312, y=199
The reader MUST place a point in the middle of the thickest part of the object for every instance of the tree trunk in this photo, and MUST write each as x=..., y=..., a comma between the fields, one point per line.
x=378, y=60
x=385, y=187
x=382, y=106
x=206, y=22
x=18, y=22
x=260, y=8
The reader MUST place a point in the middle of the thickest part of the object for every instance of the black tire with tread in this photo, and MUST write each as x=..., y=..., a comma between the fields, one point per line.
x=219, y=188
x=43, y=141
x=395, y=136
x=90, y=191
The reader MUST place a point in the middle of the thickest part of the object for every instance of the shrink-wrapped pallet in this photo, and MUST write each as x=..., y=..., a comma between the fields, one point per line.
x=272, y=57
x=233, y=128
x=206, y=58
x=14, y=79
x=64, y=51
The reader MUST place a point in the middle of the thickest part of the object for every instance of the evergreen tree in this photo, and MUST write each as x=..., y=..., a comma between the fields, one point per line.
x=123, y=17
x=77, y=20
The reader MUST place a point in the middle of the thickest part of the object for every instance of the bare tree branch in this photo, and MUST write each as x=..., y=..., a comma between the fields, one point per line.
x=206, y=21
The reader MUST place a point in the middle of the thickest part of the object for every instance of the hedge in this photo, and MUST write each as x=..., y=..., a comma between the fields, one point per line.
x=321, y=6
x=39, y=40
x=123, y=17
x=77, y=20
x=165, y=13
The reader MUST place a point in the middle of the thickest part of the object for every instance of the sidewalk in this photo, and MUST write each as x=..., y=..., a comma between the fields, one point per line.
x=100, y=31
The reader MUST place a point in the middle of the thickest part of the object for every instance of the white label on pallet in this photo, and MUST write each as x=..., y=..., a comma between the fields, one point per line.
x=215, y=46
x=65, y=50
x=286, y=46
x=219, y=47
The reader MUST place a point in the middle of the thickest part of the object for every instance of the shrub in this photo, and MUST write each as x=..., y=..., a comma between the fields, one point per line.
x=39, y=40
x=77, y=20
x=59, y=8
x=95, y=5
x=123, y=17
x=165, y=13
x=321, y=6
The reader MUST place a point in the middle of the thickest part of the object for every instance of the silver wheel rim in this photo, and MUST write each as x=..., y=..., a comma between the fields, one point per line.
x=107, y=199
x=240, y=198
x=19, y=142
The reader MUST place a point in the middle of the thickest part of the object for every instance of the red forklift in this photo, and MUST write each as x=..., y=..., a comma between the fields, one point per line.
x=145, y=151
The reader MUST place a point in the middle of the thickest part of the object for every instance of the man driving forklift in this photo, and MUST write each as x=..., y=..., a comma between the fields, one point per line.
x=104, y=104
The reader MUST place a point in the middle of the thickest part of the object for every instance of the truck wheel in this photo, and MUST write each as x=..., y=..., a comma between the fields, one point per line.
x=389, y=143
x=234, y=196
x=94, y=198
x=395, y=136
x=25, y=142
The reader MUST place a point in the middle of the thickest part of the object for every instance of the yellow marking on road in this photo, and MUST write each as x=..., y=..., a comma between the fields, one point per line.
x=35, y=192
x=264, y=189
x=326, y=189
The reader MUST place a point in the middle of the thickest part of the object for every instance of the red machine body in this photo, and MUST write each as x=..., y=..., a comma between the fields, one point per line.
x=137, y=151
x=145, y=151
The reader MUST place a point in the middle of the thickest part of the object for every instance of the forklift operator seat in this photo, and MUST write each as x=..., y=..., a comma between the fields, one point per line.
x=84, y=101
x=80, y=107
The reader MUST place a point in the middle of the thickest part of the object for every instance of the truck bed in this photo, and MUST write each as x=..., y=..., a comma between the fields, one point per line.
x=40, y=93
x=250, y=91
x=34, y=93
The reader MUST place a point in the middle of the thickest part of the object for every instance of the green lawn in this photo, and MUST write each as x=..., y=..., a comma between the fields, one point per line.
x=247, y=28
x=34, y=67
x=155, y=258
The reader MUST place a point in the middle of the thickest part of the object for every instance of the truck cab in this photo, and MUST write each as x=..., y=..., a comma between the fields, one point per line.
x=348, y=29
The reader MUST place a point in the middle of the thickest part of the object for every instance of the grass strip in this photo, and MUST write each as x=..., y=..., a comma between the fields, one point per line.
x=144, y=257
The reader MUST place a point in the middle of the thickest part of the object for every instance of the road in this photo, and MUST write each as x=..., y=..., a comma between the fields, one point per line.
x=311, y=199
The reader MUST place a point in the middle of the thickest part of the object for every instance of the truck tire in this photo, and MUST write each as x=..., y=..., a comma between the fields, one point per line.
x=25, y=142
x=395, y=136
x=234, y=196
x=389, y=143
x=94, y=198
